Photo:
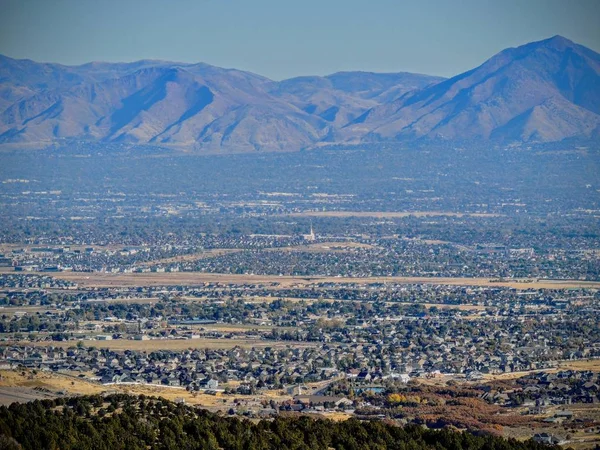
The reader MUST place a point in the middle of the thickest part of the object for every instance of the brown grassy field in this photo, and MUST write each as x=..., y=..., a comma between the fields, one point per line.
x=7, y=247
x=97, y=279
x=13, y=383
x=330, y=247
x=584, y=364
x=258, y=299
x=578, y=438
x=140, y=301
x=10, y=394
x=21, y=384
x=463, y=307
x=50, y=381
x=581, y=439
x=169, y=344
x=322, y=247
x=337, y=416
x=195, y=256
x=28, y=309
x=237, y=328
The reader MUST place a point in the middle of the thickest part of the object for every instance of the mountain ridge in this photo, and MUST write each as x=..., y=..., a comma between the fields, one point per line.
x=544, y=91
x=478, y=103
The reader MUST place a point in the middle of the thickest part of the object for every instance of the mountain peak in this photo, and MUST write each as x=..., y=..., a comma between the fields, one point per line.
x=559, y=43
x=557, y=40
x=552, y=86
x=547, y=90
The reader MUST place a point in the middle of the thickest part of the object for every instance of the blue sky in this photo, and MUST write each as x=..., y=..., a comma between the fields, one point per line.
x=282, y=38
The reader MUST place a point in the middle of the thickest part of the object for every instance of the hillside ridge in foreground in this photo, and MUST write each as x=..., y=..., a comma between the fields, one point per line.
x=127, y=422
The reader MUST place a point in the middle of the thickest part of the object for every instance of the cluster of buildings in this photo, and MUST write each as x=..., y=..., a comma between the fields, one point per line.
x=284, y=255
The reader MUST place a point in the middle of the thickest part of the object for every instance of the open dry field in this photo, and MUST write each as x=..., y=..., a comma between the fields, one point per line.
x=195, y=256
x=169, y=344
x=50, y=381
x=322, y=247
x=140, y=301
x=98, y=279
x=7, y=247
x=258, y=299
x=461, y=307
x=236, y=327
x=26, y=309
x=581, y=439
x=24, y=386
x=582, y=364
x=11, y=394
x=388, y=214
x=15, y=387
x=575, y=437
x=211, y=402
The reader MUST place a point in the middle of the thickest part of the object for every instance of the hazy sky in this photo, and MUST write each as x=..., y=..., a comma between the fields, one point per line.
x=284, y=38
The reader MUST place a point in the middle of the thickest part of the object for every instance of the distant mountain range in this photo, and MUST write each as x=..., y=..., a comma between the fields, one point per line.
x=544, y=91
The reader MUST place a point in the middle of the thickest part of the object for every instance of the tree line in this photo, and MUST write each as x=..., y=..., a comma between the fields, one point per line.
x=121, y=421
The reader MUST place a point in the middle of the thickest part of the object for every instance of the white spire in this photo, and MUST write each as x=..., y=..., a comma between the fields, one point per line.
x=311, y=236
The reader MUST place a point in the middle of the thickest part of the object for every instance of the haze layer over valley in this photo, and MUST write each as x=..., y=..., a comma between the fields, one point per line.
x=545, y=91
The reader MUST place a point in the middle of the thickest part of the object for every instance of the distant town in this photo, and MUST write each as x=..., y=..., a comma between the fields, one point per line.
x=398, y=296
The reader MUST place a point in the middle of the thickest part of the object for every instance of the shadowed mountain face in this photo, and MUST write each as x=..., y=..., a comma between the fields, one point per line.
x=543, y=91
x=540, y=92
x=342, y=97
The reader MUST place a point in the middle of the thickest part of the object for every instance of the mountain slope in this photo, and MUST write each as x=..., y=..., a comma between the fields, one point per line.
x=342, y=97
x=159, y=103
x=196, y=106
x=543, y=91
x=540, y=92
